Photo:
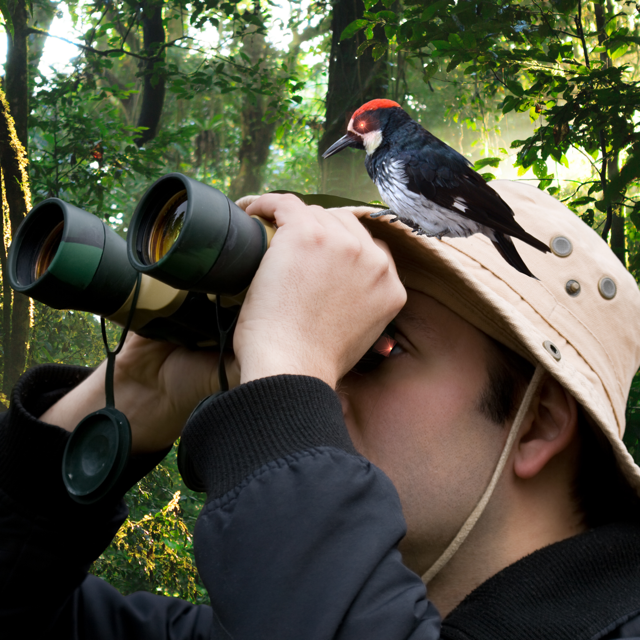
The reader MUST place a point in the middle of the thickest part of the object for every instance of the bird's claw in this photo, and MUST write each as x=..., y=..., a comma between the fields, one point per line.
x=384, y=212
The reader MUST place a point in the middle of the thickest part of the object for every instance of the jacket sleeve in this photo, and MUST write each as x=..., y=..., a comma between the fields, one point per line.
x=48, y=542
x=298, y=536
x=297, y=539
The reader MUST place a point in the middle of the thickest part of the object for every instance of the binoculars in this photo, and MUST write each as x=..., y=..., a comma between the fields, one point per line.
x=189, y=256
x=189, y=242
x=180, y=276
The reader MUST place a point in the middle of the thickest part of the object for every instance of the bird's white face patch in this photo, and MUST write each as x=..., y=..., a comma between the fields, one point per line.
x=371, y=141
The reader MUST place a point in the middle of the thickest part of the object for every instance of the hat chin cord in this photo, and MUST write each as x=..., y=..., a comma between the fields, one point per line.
x=470, y=522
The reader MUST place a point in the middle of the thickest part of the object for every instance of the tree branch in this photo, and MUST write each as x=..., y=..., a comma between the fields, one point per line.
x=106, y=52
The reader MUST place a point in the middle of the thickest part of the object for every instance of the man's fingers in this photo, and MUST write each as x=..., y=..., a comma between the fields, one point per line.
x=278, y=207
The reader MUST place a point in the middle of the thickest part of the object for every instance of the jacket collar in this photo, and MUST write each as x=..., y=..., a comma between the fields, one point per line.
x=581, y=587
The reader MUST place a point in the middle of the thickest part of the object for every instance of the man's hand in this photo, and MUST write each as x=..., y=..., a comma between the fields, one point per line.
x=157, y=386
x=324, y=292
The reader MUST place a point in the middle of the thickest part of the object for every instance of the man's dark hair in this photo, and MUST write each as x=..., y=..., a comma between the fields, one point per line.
x=508, y=375
x=601, y=493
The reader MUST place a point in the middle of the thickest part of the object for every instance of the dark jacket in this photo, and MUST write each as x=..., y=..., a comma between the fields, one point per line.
x=297, y=539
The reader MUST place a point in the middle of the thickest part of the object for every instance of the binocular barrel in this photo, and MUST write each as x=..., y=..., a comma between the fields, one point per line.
x=69, y=259
x=191, y=236
x=188, y=240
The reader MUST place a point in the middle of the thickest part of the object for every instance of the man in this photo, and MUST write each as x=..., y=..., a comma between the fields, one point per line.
x=493, y=425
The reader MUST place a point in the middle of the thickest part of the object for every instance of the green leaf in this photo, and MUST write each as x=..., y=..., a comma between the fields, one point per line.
x=619, y=51
x=387, y=16
x=486, y=162
x=578, y=202
x=540, y=168
x=431, y=10
x=351, y=29
x=515, y=87
x=363, y=47
x=6, y=14
x=379, y=50
x=456, y=40
x=488, y=177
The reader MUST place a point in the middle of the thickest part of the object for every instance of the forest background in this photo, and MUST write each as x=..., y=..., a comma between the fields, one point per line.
x=246, y=96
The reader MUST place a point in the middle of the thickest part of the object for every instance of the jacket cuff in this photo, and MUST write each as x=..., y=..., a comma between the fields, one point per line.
x=31, y=451
x=233, y=434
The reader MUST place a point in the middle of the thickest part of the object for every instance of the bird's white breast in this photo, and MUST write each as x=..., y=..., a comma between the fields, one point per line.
x=432, y=218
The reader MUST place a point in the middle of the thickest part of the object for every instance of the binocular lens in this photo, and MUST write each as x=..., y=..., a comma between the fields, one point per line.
x=166, y=228
x=193, y=238
x=47, y=251
x=69, y=259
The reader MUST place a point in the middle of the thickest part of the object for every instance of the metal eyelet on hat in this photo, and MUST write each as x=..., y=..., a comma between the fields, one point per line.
x=552, y=349
x=607, y=288
x=561, y=246
x=572, y=288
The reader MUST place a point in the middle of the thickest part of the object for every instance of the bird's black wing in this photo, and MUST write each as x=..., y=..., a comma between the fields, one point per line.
x=445, y=177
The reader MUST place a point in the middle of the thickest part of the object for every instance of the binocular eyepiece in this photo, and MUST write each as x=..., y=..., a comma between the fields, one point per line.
x=187, y=239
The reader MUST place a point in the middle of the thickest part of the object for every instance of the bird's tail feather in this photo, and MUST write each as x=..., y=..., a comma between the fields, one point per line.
x=508, y=251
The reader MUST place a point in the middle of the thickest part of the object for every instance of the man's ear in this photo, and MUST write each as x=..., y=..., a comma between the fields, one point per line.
x=552, y=427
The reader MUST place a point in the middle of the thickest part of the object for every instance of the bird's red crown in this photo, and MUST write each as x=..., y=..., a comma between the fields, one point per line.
x=375, y=104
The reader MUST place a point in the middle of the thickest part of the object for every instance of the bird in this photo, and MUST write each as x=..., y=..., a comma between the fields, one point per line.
x=428, y=185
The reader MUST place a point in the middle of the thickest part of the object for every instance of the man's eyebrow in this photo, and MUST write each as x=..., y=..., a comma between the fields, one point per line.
x=417, y=322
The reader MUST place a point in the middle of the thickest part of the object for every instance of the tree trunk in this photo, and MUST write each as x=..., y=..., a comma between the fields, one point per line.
x=352, y=82
x=42, y=17
x=154, y=71
x=15, y=183
x=257, y=133
x=14, y=113
x=618, y=238
x=16, y=70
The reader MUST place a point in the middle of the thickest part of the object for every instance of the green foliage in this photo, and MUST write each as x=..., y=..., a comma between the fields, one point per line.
x=153, y=550
x=82, y=149
x=67, y=337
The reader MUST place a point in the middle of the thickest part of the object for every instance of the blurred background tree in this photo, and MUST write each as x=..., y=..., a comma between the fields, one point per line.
x=103, y=97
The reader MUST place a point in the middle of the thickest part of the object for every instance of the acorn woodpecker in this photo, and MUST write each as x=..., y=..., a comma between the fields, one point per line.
x=428, y=185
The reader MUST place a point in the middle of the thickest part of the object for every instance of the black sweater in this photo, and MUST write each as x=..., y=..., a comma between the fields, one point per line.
x=297, y=539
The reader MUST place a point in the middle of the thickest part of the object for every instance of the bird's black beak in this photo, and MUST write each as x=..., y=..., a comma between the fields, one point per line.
x=346, y=141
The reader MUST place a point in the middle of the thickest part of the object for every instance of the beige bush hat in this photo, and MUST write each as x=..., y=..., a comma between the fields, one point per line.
x=579, y=321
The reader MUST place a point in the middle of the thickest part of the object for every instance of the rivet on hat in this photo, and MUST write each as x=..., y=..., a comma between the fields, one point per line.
x=552, y=349
x=561, y=246
x=572, y=287
x=607, y=288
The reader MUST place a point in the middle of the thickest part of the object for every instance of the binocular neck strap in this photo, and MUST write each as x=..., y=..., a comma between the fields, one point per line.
x=467, y=527
x=111, y=355
x=223, y=382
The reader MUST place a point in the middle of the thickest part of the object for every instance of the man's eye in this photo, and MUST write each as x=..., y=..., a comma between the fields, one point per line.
x=384, y=347
x=396, y=350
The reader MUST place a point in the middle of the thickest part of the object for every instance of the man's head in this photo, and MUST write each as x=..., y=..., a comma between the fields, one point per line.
x=435, y=416
x=479, y=329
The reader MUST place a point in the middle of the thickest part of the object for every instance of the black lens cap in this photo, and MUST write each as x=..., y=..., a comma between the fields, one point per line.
x=96, y=455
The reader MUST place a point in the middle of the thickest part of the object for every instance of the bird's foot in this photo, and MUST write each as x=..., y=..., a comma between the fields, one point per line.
x=385, y=212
